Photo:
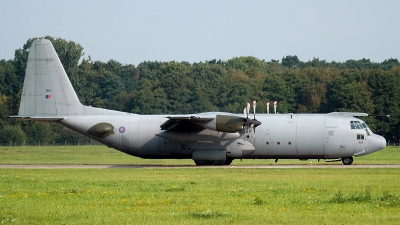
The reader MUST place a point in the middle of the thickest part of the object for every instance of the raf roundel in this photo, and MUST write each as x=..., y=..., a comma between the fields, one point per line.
x=121, y=130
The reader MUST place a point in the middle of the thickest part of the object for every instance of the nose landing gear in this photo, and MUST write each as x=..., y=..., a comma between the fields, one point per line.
x=347, y=160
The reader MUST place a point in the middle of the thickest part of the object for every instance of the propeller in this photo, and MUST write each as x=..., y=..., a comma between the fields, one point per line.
x=251, y=123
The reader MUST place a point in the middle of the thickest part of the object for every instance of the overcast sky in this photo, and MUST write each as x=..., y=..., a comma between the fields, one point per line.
x=135, y=31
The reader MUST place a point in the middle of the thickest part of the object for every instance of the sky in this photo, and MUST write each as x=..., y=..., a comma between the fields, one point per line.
x=132, y=32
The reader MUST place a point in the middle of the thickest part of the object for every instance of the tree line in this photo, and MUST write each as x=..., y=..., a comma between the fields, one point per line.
x=153, y=87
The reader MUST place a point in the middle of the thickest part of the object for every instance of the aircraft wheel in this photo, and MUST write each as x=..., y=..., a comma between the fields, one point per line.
x=201, y=162
x=228, y=161
x=219, y=162
x=347, y=160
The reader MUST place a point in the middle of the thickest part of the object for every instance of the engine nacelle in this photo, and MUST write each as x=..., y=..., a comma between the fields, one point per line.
x=230, y=124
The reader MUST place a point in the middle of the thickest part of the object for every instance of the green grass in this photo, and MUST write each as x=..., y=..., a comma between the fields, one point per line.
x=99, y=154
x=200, y=196
x=225, y=195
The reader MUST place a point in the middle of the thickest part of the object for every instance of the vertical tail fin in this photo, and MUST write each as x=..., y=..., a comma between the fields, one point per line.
x=47, y=90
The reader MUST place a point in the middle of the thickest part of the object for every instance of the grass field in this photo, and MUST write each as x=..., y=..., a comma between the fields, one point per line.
x=192, y=195
x=200, y=196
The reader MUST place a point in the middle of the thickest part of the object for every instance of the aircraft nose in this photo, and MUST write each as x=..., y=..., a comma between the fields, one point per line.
x=376, y=142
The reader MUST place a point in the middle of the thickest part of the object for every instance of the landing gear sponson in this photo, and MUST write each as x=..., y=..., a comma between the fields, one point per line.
x=216, y=162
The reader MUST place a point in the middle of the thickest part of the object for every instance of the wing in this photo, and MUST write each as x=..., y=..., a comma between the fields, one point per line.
x=217, y=122
x=174, y=120
x=200, y=127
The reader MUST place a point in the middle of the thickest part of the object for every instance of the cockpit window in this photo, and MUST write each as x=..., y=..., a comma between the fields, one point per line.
x=352, y=125
x=356, y=125
x=366, y=128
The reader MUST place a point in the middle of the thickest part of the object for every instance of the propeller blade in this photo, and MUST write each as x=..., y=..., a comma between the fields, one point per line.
x=254, y=108
x=248, y=109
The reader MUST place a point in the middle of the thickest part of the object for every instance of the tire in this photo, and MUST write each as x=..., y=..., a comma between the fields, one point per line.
x=219, y=162
x=347, y=160
x=201, y=162
x=228, y=161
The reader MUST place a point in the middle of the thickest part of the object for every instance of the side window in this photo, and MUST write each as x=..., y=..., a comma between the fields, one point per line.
x=366, y=130
x=352, y=125
x=360, y=136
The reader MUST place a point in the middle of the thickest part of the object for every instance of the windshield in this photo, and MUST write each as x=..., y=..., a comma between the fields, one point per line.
x=360, y=125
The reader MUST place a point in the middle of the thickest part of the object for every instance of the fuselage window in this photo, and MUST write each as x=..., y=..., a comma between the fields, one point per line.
x=360, y=136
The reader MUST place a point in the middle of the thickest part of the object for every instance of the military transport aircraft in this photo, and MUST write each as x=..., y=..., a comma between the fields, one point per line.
x=207, y=138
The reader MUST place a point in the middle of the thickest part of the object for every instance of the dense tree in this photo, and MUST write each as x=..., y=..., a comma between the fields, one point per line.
x=290, y=61
x=316, y=86
x=385, y=89
x=276, y=88
x=12, y=135
x=37, y=132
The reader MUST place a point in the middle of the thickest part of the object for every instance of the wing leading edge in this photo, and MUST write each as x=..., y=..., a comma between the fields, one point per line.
x=173, y=120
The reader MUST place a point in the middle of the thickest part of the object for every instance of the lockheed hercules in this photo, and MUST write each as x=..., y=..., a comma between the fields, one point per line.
x=207, y=138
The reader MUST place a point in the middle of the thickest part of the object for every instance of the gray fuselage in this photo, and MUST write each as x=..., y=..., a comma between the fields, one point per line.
x=299, y=136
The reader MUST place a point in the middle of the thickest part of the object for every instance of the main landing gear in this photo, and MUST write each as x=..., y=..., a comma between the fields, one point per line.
x=347, y=160
x=216, y=162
